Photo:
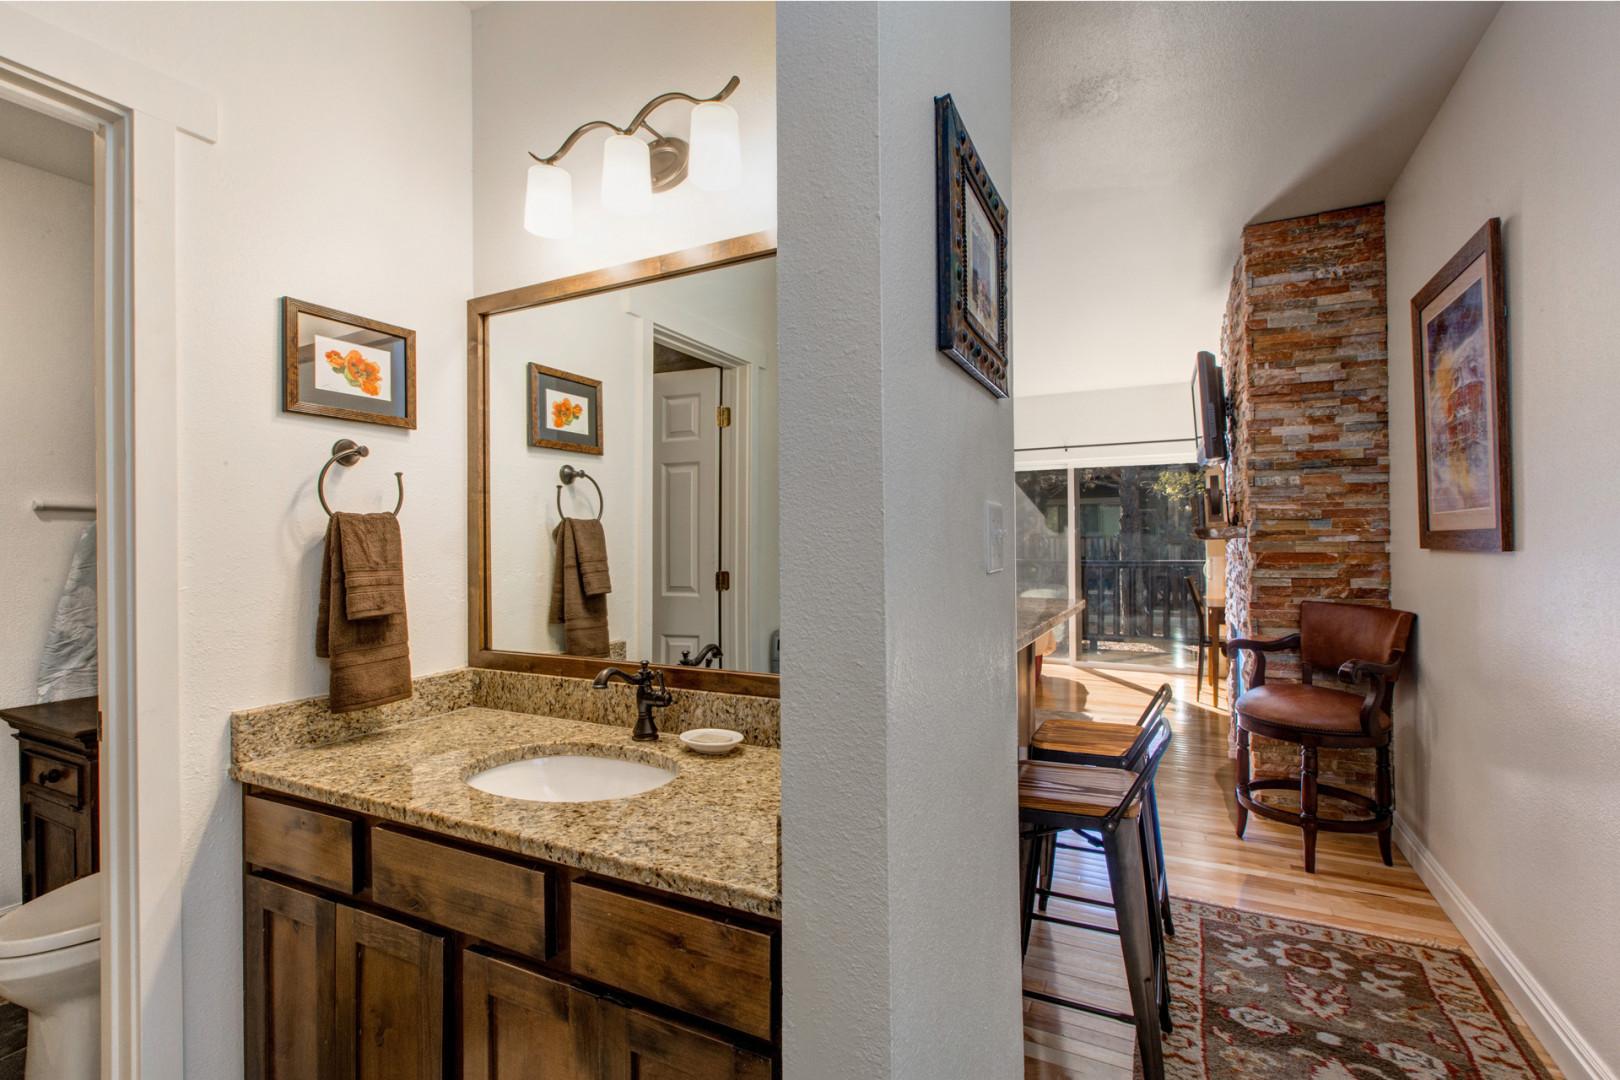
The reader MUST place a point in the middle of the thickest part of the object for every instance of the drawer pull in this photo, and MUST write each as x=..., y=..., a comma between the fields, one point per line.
x=51, y=776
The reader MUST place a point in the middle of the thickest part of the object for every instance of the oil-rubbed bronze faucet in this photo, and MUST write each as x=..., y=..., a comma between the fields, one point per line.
x=707, y=656
x=647, y=698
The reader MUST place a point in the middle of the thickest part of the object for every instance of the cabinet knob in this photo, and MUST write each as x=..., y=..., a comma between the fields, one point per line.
x=51, y=776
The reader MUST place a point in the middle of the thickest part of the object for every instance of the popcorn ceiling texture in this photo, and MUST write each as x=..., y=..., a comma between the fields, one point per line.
x=1305, y=346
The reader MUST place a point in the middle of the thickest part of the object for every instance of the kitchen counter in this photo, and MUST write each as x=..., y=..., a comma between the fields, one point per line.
x=1038, y=615
x=710, y=834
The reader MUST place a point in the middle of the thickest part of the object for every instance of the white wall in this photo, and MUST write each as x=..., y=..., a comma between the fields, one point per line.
x=1507, y=743
x=1107, y=427
x=541, y=70
x=900, y=948
x=47, y=415
x=348, y=191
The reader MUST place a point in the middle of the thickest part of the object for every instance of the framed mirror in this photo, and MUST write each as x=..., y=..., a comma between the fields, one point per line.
x=622, y=442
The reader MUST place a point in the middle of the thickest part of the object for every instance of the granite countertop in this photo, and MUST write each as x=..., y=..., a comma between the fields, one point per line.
x=1038, y=614
x=711, y=833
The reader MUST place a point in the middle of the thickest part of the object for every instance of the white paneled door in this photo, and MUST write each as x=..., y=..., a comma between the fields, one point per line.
x=686, y=512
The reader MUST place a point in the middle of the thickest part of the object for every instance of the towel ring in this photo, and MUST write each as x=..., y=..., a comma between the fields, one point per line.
x=346, y=452
x=568, y=474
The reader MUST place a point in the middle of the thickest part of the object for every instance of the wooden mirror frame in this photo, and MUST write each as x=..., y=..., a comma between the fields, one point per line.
x=480, y=650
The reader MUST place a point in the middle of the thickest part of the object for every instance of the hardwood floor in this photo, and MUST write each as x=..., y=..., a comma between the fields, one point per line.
x=1264, y=872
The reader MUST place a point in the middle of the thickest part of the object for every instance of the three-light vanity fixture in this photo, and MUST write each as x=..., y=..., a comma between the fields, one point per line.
x=632, y=169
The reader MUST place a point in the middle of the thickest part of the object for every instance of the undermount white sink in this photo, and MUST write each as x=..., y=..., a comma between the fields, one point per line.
x=571, y=778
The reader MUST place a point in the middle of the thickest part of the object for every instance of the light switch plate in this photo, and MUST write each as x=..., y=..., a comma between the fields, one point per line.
x=995, y=537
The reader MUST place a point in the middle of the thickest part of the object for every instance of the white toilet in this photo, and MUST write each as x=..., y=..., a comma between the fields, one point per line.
x=50, y=964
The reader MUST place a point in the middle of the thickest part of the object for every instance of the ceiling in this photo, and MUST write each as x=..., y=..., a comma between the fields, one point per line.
x=1145, y=136
x=44, y=142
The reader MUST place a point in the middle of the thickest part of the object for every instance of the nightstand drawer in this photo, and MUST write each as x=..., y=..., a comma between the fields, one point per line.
x=64, y=777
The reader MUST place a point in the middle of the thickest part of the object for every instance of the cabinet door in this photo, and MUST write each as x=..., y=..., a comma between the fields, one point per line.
x=516, y=1024
x=656, y=1049
x=288, y=983
x=390, y=999
x=57, y=845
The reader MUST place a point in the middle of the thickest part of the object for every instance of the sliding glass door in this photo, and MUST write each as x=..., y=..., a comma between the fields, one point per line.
x=1121, y=537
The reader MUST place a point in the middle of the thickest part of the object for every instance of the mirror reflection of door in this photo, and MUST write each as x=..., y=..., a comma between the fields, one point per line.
x=686, y=444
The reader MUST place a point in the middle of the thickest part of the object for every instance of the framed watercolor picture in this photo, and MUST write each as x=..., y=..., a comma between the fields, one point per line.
x=971, y=255
x=565, y=410
x=348, y=367
x=1460, y=385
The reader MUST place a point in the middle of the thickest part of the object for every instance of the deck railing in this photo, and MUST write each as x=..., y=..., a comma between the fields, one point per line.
x=1138, y=599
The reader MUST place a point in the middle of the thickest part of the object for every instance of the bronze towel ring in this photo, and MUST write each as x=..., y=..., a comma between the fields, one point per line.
x=568, y=474
x=346, y=452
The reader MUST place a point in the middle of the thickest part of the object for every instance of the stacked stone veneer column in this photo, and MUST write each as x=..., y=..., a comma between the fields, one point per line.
x=1305, y=346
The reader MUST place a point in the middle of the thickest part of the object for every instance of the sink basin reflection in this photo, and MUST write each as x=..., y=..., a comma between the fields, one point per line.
x=571, y=778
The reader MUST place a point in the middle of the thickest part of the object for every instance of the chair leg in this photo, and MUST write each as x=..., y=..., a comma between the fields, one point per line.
x=1123, y=850
x=1026, y=895
x=1307, y=804
x=1386, y=804
x=1159, y=860
x=1242, y=780
x=1048, y=867
x=1150, y=884
x=1198, y=680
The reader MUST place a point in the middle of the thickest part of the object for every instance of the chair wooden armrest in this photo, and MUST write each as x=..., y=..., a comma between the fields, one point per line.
x=1260, y=647
x=1377, y=677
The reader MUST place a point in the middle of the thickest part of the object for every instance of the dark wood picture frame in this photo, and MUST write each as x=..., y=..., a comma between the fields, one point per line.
x=536, y=423
x=960, y=176
x=480, y=651
x=1498, y=536
x=292, y=399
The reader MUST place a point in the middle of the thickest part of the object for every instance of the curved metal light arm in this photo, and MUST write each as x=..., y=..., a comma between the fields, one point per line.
x=640, y=120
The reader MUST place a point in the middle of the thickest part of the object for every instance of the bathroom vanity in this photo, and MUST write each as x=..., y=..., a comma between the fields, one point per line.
x=401, y=923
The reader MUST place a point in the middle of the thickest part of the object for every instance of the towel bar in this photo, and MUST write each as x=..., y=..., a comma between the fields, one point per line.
x=568, y=474
x=346, y=452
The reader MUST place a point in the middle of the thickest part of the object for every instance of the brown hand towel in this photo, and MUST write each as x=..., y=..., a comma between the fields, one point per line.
x=370, y=654
x=579, y=586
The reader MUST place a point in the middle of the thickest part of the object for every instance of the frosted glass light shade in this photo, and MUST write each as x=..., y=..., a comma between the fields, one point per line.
x=626, y=175
x=548, y=202
x=716, y=157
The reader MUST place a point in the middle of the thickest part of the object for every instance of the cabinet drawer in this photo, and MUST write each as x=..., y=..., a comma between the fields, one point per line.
x=500, y=902
x=63, y=777
x=689, y=962
x=299, y=842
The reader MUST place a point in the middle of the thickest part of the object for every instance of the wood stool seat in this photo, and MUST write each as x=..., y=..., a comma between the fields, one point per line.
x=1079, y=790
x=1093, y=738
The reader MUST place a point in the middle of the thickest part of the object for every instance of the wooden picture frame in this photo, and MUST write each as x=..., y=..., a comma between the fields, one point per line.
x=481, y=652
x=971, y=255
x=551, y=390
x=1460, y=398
x=369, y=369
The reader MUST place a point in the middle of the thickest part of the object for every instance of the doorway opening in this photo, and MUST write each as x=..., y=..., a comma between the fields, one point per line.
x=1121, y=537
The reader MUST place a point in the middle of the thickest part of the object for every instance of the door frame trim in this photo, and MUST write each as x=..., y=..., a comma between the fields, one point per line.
x=137, y=114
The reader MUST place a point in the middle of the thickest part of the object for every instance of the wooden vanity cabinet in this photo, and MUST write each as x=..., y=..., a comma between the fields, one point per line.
x=336, y=993
x=58, y=785
x=377, y=953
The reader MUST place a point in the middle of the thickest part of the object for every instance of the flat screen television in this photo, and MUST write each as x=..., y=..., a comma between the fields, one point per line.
x=1209, y=409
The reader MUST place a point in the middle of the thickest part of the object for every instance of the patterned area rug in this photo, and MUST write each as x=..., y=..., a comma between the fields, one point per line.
x=1262, y=998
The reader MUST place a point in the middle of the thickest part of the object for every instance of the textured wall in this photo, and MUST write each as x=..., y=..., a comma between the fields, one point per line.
x=900, y=953
x=1507, y=746
x=1308, y=370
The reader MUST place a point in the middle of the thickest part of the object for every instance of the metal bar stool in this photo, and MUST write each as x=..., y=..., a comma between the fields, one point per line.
x=1118, y=746
x=1053, y=797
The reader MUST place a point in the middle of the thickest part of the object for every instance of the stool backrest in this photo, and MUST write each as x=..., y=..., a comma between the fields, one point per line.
x=1331, y=633
x=1147, y=751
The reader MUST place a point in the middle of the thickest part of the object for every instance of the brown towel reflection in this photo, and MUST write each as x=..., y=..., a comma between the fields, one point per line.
x=579, y=586
x=361, y=624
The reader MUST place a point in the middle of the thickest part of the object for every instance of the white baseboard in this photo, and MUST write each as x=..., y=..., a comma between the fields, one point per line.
x=1568, y=1048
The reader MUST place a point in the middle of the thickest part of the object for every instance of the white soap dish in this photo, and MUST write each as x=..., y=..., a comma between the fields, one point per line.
x=711, y=740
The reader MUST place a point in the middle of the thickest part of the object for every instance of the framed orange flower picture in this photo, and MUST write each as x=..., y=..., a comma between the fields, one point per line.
x=344, y=366
x=565, y=410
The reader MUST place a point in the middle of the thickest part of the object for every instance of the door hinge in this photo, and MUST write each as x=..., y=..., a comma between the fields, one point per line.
x=722, y=580
x=722, y=416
